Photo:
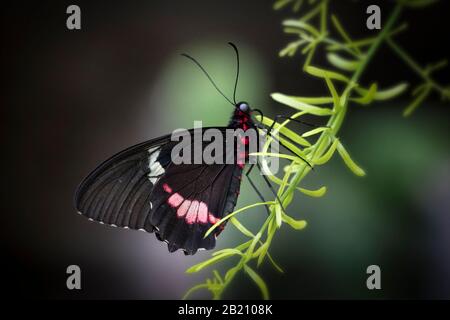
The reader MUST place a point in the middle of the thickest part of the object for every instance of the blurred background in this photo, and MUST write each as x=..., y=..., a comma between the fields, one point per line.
x=73, y=98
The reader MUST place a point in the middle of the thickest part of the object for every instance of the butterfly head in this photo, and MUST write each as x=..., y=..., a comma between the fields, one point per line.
x=243, y=107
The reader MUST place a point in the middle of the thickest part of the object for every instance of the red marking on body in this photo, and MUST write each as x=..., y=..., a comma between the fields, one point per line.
x=245, y=140
x=193, y=211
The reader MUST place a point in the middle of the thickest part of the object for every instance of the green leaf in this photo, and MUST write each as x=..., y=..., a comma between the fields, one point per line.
x=249, y=253
x=297, y=104
x=284, y=131
x=385, y=94
x=195, y=288
x=334, y=94
x=313, y=100
x=274, y=264
x=278, y=155
x=278, y=215
x=418, y=3
x=227, y=251
x=279, y=4
x=292, y=147
x=322, y=73
x=369, y=96
x=258, y=280
x=218, y=277
x=296, y=224
x=348, y=160
x=199, y=266
x=231, y=272
x=241, y=228
x=301, y=25
x=218, y=223
x=262, y=253
x=344, y=34
x=342, y=63
x=244, y=245
x=327, y=155
x=315, y=193
x=314, y=131
x=417, y=101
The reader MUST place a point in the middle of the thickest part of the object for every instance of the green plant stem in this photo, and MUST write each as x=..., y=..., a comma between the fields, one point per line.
x=415, y=66
x=240, y=264
x=336, y=119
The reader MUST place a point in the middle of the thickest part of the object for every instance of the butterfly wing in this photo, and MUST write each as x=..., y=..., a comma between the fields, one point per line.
x=141, y=188
x=189, y=199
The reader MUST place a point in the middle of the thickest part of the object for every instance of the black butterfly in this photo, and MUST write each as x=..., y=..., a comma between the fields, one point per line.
x=142, y=188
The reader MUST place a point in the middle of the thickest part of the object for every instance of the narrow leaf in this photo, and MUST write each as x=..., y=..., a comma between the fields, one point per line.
x=314, y=193
x=344, y=34
x=278, y=215
x=318, y=72
x=258, y=280
x=348, y=161
x=327, y=155
x=342, y=63
x=368, y=97
x=233, y=214
x=385, y=94
x=241, y=228
x=193, y=289
x=284, y=131
x=296, y=224
x=213, y=260
x=417, y=101
x=313, y=100
x=334, y=94
x=301, y=25
x=314, y=131
x=297, y=104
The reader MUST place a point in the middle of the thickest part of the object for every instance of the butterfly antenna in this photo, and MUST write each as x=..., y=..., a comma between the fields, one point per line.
x=208, y=76
x=237, y=71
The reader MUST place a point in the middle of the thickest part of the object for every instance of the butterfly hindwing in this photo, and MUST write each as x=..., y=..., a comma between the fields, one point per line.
x=189, y=199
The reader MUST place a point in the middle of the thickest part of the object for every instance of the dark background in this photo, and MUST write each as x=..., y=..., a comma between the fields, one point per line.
x=73, y=98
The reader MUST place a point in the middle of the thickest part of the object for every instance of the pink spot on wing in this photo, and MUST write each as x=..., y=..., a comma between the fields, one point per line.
x=212, y=219
x=167, y=188
x=193, y=211
x=182, y=210
x=191, y=215
x=175, y=200
x=202, y=215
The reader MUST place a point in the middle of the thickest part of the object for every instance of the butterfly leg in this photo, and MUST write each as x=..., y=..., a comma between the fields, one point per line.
x=282, y=116
x=247, y=174
x=271, y=187
x=281, y=143
x=292, y=151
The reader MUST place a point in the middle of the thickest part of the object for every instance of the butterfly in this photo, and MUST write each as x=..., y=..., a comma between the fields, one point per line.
x=143, y=188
